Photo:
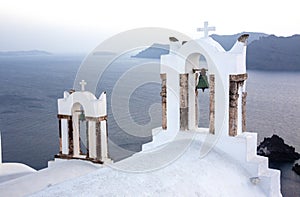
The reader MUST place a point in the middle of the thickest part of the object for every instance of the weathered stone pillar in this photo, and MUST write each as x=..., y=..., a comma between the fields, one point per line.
x=212, y=104
x=91, y=136
x=235, y=82
x=104, y=138
x=196, y=101
x=184, y=109
x=163, y=95
x=87, y=139
x=76, y=135
x=244, y=97
x=233, y=104
x=98, y=141
x=98, y=138
x=64, y=135
x=70, y=136
x=59, y=134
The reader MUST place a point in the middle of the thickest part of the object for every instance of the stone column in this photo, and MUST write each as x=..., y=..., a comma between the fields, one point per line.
x=196, y=101
x=60, y=136
x=76, y=141
x=184, y=109
x=98, y=141
x=244, y=97
x=64, y=134
x=65, y=137
x=233, y=104
x=212, y=104
x=103, y=142
x=87, y=140
x=92, y=137
x=235, y=82
x=163, y=95
x=98, y=145
x=70, y=136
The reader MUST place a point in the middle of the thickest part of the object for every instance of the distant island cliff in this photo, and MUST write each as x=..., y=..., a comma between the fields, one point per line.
x=274, y=53
x=264, y=52
x=24, y=53
x=154, y=51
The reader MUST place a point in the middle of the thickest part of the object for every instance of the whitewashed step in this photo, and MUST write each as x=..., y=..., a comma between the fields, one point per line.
x=271, y=179
x=260, y=164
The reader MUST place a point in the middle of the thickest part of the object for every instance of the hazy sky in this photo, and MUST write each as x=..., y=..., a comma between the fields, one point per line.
x=79, y=26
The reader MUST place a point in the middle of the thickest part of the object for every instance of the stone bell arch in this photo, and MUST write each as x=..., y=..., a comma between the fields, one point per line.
x=228, y=69
x=227, y=74
x=183, y=61
x=77, y=106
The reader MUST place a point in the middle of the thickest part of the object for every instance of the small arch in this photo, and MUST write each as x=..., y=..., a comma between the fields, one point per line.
x=199, y=107
x=80, y=131
x=195, y=60
x=203, y=62
x=194, y=51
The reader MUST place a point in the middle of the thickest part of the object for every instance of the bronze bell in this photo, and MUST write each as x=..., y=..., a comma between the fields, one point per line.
x=203, y=82
x=82, y=116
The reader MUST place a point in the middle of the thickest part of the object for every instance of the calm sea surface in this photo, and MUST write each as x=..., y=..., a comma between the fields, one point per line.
x=30, y=87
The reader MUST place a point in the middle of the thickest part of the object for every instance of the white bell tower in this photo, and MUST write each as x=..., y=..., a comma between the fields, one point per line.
x=83, y=126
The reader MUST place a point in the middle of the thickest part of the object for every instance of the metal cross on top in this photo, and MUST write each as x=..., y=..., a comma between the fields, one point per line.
x=206, y=29
x=82, y=83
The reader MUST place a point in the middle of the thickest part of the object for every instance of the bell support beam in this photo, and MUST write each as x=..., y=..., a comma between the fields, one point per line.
x=199, y=69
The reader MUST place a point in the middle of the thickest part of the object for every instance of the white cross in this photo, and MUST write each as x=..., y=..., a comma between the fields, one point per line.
x=206, y=29
x=82, y=83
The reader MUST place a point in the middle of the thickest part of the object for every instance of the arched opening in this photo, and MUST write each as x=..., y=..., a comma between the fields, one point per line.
x=203, y=93
x=200, y=92
x=80, y=131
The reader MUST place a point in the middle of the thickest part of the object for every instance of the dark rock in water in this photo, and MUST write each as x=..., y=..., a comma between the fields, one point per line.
x=296, y=168
x=277, y=150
